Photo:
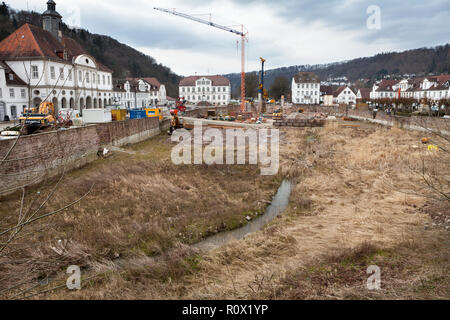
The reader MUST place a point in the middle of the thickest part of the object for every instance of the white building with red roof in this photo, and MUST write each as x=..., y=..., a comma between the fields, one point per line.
x=305, y=88
x=132, y=93
x=56, y=68
x=13, y=94
x=431, y=87
x=344, y=95
x=215, y=90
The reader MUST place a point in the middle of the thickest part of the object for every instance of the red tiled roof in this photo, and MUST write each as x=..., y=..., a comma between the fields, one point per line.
x=386, y=85
x=12, y=79
x=327, y=90
x=365, y=93
x=439, y=79
x=30, y=41
x=306, y=77
x=216, y=80
x=152, y=81
x=338, y=91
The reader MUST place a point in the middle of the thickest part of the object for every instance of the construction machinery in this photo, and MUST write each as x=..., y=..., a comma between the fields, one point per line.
x=38, y=118
x=262, y=93
x=277, y=114
x=180, y=105
x=242, y=34
x=154, y=113
x=175, y=122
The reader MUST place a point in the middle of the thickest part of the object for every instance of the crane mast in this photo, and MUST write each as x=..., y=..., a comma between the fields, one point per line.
x=224, y=28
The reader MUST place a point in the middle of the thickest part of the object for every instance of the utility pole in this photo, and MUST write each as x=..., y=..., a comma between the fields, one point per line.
x=261, y=93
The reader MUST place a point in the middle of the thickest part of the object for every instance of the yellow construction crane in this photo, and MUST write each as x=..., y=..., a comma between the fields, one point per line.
x=242, y=34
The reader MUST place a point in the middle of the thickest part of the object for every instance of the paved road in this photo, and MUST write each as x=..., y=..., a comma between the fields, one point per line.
x=4, y=125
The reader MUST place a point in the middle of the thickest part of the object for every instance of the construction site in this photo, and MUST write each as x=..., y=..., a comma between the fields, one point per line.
x=348, y=194
x=99, y=192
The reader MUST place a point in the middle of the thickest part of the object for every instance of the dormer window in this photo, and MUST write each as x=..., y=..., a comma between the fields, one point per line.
x=11, y=77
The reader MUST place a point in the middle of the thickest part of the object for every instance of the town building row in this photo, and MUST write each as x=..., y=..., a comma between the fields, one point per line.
x=307, y=89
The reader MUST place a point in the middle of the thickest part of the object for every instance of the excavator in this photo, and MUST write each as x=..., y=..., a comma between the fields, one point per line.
x=175, y=122
x=181, y=104
x=38, y=118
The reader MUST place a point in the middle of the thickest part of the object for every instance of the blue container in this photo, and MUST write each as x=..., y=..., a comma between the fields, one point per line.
x=137, y=114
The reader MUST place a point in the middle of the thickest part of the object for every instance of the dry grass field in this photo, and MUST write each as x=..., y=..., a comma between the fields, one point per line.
x=362, y=197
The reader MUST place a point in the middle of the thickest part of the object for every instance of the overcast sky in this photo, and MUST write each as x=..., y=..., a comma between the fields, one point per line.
x=284, y=32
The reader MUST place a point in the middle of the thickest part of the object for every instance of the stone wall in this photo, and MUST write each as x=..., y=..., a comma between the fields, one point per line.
x=37, y=157
x=424, y=124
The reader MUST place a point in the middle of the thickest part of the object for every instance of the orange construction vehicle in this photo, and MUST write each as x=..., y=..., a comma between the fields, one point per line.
x=38, y=118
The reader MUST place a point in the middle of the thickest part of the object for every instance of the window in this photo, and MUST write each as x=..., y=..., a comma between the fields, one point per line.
x=109, y=79
x=34, y=72
x=23, y=93
x=14, y=112
x=80, y=76
x=103, y=79
x=93, y=77
x=70, y=75
x=11, y=93
x=1, y=93
x=98, y=79
x=61, y=73
x=88, y=77
x=52, y=72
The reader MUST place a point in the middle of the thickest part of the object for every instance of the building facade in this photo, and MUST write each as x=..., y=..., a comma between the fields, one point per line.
x=306, y=88
x=215, y=90
x=13, y=94
x=56, y=68
x=132, y=93
x=432, y=87
x=344, y=95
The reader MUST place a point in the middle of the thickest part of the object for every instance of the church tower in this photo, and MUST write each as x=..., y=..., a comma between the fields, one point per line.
x=52, y=20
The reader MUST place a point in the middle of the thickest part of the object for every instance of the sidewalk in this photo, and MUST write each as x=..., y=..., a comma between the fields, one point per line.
x=4, y=125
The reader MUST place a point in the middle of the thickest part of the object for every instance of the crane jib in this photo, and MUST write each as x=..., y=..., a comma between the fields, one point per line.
x=242, y=34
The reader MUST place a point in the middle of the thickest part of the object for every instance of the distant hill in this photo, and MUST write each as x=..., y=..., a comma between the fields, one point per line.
x=420, y=62
x=122, y=59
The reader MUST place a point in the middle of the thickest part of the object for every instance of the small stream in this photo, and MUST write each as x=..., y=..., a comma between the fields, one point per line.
x=279, y=204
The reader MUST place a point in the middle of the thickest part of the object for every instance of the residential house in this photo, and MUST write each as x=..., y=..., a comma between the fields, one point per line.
x=305, y=88
x=344, y=95
x=56, y=68
x=13, y=94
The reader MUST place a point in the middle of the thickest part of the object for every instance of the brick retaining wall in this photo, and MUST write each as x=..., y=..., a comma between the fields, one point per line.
x=410, y=123
x=37, y=157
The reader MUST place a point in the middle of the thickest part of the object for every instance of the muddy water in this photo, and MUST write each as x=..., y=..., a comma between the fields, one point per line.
x=279, y=204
